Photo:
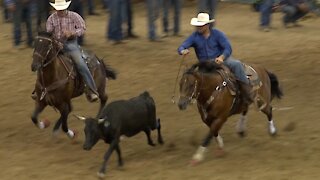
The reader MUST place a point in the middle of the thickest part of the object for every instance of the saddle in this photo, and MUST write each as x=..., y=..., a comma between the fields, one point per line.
x=232, y=86
x=231, y=81
x=90, y=59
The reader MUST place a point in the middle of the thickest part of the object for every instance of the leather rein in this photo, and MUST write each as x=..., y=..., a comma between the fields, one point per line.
x=54, y=85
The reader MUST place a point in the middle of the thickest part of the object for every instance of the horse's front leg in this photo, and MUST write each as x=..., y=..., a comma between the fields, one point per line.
x=64, y=111
x=214, y=129
x=39, y=107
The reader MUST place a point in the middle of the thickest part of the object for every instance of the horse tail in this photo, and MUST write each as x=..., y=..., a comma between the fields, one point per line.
x=276, y=91
x=110, y=73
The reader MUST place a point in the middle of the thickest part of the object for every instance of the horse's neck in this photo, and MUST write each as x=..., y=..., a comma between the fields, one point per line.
x=207, y=85
x=49, y=72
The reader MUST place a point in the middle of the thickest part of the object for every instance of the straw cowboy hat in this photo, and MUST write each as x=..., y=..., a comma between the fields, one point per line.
x=60, y=4
x=201, y=20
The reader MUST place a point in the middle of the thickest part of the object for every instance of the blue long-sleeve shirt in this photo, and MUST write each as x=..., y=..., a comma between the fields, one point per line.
x=207, y=49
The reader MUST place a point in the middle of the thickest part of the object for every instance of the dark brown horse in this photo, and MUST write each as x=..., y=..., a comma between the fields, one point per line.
x=58, y=81
x=215, y=90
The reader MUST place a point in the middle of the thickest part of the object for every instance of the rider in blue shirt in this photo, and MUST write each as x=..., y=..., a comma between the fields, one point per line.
x=212, y=45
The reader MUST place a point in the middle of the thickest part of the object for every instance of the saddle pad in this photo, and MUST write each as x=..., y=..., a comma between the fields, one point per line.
x=90, y=59
x=253, y=77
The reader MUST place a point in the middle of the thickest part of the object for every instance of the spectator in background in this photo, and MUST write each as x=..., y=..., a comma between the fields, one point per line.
x=208, y=6
x=6, y=14
x=153, y=15
x=21, y=11
x=91, y=8
x=293, y=10
x=265, y=14
x=77, y=6
x=167, y=4
x=43, y=10
x=128, y=17
x=114, y=32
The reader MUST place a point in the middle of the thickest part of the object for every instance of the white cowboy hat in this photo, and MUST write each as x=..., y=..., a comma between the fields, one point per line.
x=60, y=4
x=201, y=20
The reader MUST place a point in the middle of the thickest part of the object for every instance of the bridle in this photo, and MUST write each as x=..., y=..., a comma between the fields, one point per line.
x=43, y=58
x=195, y=95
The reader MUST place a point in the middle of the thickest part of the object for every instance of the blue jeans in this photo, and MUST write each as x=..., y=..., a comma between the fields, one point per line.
x=265, y=12
x=153, y=14
x=115, y=20
x=128, y=15
x=237, y=69
x=177, y=9
x=42, y=14
x=208, y=6
x=292, y=14
x=72, y=48
x=90, y=7
x=22, y=14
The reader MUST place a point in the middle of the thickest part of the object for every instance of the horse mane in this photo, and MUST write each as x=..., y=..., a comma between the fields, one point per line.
x=204, y=67
x=45, y=34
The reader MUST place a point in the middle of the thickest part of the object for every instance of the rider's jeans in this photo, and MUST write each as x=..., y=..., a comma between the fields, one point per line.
x=237, y=68
x=72, y=48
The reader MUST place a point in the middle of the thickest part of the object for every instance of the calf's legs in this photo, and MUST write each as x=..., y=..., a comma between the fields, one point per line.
x=113, y=146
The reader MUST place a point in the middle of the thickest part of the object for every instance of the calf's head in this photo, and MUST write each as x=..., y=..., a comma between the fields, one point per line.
x=92, y=131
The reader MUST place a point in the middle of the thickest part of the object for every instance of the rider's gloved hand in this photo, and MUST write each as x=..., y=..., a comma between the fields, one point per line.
x=185, y=52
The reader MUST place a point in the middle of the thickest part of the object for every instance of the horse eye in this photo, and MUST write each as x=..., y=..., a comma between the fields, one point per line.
x=40, y=40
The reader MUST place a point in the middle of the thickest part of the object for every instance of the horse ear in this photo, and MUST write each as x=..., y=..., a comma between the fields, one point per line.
x=81, y=118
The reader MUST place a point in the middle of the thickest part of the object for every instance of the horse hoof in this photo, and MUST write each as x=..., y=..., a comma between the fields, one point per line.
x=75, y=134
x=273, y=132
x=44, y=124
x=72, y=134
x=101, y=175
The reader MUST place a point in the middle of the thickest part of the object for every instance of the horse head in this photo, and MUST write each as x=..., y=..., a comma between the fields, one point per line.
x=191, y=82
x=188, y=88
x=43, y=46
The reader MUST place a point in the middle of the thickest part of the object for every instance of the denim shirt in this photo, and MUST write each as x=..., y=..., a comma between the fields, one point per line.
x=208, y=48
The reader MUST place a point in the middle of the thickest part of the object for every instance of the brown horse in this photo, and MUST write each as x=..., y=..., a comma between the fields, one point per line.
x=215, y=90
x=58, y=81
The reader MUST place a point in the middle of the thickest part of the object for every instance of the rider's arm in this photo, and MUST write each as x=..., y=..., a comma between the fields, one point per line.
x=80, y=25
x=186, y=44
x=225, y=44
x=49, y=24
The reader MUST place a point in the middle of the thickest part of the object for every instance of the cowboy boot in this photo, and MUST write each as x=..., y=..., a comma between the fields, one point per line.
x=247, y=93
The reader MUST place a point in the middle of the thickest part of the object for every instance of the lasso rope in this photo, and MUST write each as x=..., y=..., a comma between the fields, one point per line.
x=175, y=85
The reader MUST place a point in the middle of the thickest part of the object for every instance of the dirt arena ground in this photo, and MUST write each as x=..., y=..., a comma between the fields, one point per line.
x=293, y=54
